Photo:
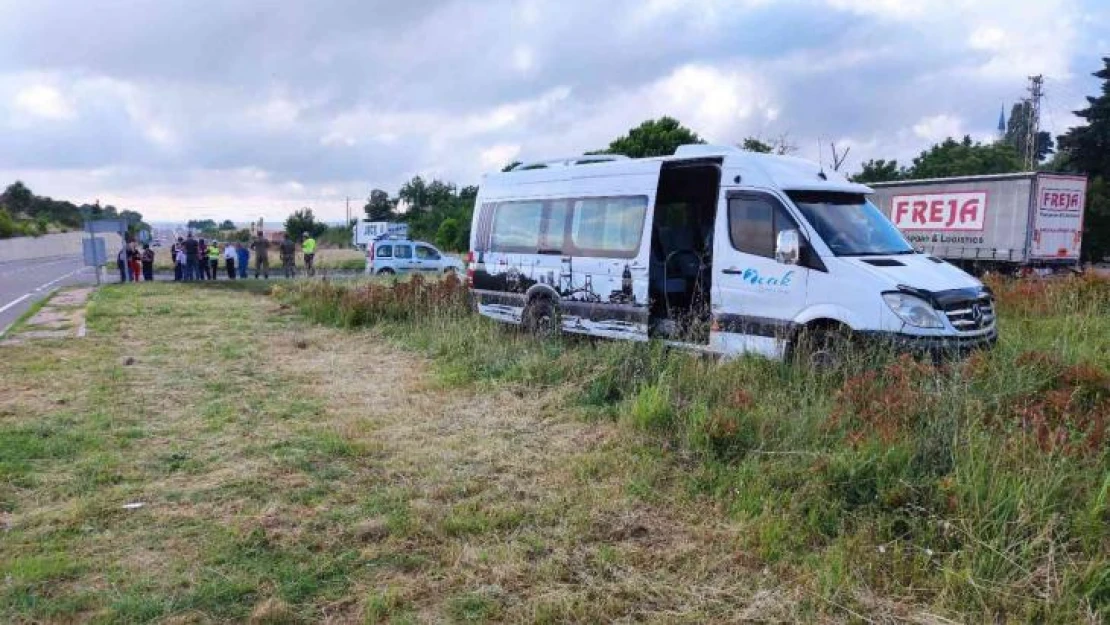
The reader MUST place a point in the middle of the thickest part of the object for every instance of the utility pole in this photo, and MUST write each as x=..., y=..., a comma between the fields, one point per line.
x=1033, y=120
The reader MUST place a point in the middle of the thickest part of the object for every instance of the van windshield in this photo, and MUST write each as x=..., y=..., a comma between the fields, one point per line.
x=849, y=224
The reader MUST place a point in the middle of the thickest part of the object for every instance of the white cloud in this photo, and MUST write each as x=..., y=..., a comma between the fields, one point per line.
x=276, y=112
x=337, y=139
x=44, y=101
x=344, y=100
x=713, y=100
x=497, y=156
x=524, y=59
x=891, y=9
x=938, y=127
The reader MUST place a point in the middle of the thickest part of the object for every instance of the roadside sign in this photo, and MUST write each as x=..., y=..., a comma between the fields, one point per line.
x=94, y=252
x=106, y=225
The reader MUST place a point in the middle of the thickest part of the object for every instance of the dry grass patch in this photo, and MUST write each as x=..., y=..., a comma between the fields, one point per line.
x=289, y=472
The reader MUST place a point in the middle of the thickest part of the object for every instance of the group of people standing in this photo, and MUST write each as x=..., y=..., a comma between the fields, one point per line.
x=197, y=259
x=133, y=262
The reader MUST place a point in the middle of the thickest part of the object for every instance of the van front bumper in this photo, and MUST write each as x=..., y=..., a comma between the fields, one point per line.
x=934, y=346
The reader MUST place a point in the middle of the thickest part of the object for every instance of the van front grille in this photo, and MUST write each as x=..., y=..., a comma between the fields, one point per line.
x=971, y=315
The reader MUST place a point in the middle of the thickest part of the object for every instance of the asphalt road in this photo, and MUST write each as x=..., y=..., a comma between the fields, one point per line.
x=24, y=282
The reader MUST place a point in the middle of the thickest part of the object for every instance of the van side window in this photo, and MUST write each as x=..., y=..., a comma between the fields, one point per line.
x=423, y=252
x=555, y=225
x=485, y=224
x=403, y=251
x=608, y=226
x=384, y=251
x=754, y=224
x=516, y=227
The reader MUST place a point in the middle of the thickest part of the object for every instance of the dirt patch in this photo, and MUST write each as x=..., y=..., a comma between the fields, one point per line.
x=62, y=316
x=50, y=318
x=71, y=297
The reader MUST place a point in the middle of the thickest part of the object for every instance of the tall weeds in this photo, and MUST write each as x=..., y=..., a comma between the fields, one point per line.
x=981, y=487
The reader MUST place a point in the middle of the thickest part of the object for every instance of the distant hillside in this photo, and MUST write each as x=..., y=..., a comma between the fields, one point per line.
x=22, y=213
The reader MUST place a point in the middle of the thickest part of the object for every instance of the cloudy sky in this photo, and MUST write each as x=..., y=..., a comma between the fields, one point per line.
x=240, y=109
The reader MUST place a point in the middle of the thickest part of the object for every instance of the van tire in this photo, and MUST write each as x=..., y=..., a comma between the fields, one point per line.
x=541, y=318
x=450, y=271
x=821, y=346
x=386, y=272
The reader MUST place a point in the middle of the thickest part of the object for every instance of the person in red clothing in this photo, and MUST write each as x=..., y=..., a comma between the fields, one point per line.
x=133, y=261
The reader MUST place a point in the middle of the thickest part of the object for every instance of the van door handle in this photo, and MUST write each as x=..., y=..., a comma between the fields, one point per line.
x=732, y=271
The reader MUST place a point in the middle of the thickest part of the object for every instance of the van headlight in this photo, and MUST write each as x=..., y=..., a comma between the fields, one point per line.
x=913, y=310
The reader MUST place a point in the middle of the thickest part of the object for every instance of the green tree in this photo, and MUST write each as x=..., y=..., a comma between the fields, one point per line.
x=964, y=158
x=780, y=145
x=8, y=226
x=303, y=220
x=448, y=234
x=654, y=137
x=413, y=193
x=468, y=193
x=1017, y=129
x=17, y=198
x=879, y=170
x=201, y=225
x=1086, y=149
x=227, y=225
x=751, y=144
x=378, y=206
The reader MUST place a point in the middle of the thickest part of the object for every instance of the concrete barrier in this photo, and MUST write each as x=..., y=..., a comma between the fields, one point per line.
x=62, y=244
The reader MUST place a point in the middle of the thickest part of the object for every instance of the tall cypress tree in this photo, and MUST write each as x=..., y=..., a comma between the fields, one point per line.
x=1086, y=149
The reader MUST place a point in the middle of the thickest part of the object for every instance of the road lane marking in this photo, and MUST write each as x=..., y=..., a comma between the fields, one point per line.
x=14, y=302
x=57, y=280
x=32, y=292
x=32, y=267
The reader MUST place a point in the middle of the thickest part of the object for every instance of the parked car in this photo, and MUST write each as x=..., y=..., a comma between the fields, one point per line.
x=389, y=256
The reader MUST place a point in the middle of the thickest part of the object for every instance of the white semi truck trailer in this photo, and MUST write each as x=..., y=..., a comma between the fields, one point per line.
x=1005, y=222
x=366, y=232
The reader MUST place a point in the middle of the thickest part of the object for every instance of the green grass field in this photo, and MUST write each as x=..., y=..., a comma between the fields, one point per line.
x=377, y=454
x=978, y=490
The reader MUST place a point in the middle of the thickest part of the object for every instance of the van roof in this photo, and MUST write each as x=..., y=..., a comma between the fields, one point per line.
x=754, y=169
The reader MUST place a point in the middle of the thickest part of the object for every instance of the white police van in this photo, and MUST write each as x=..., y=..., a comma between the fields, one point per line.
x=715, y=249
x=389, y=255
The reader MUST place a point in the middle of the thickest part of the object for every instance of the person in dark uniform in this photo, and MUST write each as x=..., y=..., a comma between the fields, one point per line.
x=288, y=256
x=261, y=249
x=147, y=258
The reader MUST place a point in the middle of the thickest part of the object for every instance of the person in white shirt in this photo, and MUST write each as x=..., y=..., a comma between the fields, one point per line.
x=179, y=261
x=229, y=259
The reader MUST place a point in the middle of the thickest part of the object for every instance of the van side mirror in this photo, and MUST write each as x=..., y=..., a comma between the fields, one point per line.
x=788, y=247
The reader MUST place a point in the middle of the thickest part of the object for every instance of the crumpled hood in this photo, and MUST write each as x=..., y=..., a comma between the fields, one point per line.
x=917, y=272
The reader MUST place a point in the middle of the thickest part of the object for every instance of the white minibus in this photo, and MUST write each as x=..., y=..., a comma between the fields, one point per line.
x=715, y=249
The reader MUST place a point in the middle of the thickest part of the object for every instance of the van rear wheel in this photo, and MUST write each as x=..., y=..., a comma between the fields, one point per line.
x=386, y=272
x=541, y=318
x=822, y=347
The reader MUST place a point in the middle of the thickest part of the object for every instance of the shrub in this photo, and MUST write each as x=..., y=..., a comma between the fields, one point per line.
x=373, y=302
